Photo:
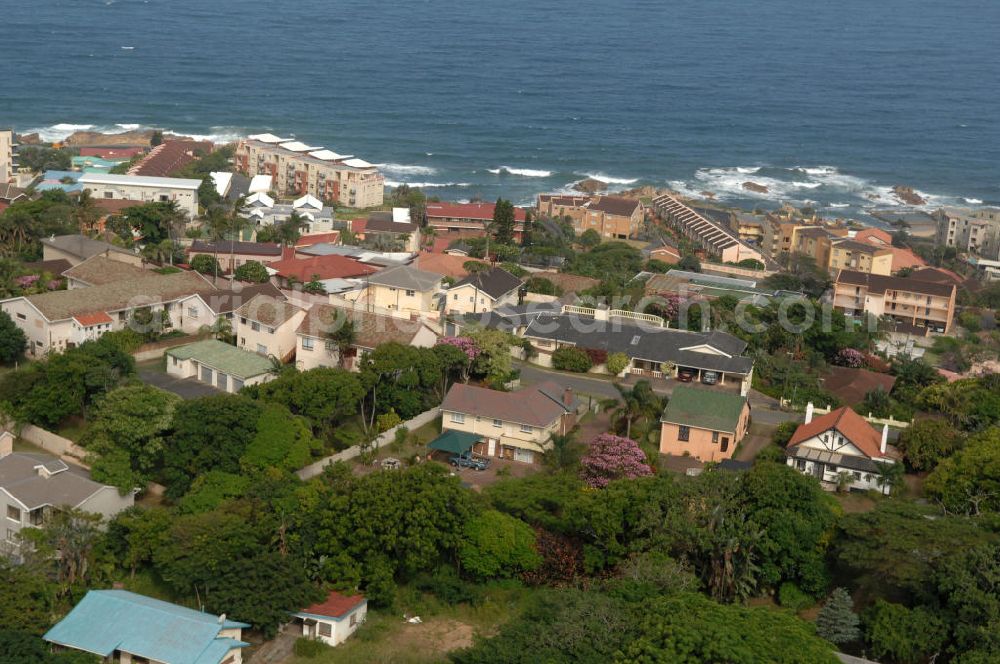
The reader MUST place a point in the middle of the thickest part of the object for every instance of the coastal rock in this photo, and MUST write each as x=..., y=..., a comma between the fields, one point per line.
x=908, y=196
x=128, y=138
x=590, y=186
x=708, y=194
x=753, y=186
x=29, y=139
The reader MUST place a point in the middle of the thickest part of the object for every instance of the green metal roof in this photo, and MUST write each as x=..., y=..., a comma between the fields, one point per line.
x=704, y=409
x=455, y=442
x=227, y=359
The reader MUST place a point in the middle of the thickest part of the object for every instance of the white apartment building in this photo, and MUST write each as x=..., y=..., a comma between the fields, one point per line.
x=144, y=189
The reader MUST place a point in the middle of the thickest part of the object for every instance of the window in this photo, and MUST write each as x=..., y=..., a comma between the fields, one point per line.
x=255, y=326
x=193, y=312
x=330, y=345
x=13, y=513
x=683, y=433
x=458, y=418
x=498, y=423
x=262, y=349
x=455, y=296
x=526, y=428
x=410, y=293
x=243, y=321
x=109, y=194
x=22, y=317
x=715, y=436
x=307, y=343
x=354, y=619
x=325, y=629
x=725, y=444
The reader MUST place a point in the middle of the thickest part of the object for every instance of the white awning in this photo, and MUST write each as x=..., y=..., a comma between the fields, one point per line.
x=260, y=184
x=401, y=215
x=296, y=146
x=328, y=155
x=268, y=138
x=357, y=163
x=308, y=201
x=260, y=199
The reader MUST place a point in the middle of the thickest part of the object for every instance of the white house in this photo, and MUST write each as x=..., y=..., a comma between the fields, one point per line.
x=842, y=442
x=482, y=291
x=334, y=619
x=266, y=325
x=144, y=189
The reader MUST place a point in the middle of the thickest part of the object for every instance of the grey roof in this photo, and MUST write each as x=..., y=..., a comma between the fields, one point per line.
x=496, y=282
x=81, y=246
x=643, y=342
x=68, y=486
x=381, y=222
x=239, y=186
x=238, y=247
x=851, y=461
x=509, y=318
x=404, y=276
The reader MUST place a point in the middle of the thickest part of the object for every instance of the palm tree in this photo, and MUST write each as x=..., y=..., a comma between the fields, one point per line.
x=562, y=453
x=86, y=212
x=634, y=404
x=288, y=231
x=217, y=222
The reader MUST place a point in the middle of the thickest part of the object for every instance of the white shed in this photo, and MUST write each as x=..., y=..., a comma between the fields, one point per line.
x=334, y=619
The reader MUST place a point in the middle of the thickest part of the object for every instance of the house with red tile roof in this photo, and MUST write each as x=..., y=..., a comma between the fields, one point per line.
x=842, y=443
x=455, y=220
x=901, y=257
x=305, y=269
x=334, y=619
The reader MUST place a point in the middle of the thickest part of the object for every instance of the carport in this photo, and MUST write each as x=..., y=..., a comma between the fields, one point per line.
x=454, y=442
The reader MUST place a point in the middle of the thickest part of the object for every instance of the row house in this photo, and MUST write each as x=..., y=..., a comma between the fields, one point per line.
x=717, y=239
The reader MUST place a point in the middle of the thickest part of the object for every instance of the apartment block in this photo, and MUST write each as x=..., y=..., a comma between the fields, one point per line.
x=612, y=217
x=717, y=239
x=297, y=169
x=144, y=189
x=973, y=231
x=8, y=166
x=917, y=306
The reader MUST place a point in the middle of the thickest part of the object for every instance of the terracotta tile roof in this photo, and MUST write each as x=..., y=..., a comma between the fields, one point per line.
x=370, y=329
x=539, y=405
x=111, y=153
x=851, y=385
x=268, y=310
x=168, y=158
x=309, y=240
x=873, y=236
x=472, y=211
x=938, y=275
x=359, y=225
x=877, y=283
x=93, y=318
x=849, y=424
x=335, y=605
x=332, y=266
x=569, y=283
x=449, y=266
x=623, y=207
x=113, y=205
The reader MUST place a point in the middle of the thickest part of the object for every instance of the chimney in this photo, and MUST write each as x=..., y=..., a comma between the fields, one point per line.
x=568, y=397
x=809, y=412
x=885, y=438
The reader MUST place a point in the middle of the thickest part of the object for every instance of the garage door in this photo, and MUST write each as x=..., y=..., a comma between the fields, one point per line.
x=222, y=381
x=206, y=375
x=527, y=456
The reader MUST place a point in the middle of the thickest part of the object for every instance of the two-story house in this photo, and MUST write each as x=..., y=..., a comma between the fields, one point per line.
x=510, y=425
x=266, y=325
x=908, y=301
x=704, y=424
x=842, y=443
x=403, y=288
x=482, y=291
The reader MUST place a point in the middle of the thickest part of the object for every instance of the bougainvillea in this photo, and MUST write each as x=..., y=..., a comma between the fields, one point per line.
x=613, y=457
x=848, y=357
x=465, y=344
x=26, y=280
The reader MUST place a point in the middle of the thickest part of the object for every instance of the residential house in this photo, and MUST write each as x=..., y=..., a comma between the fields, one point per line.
x=514, y=425
x=233, y=253
x=468, y=219
x=122, y=626
x=297, y=169
x=78, y=248
x=33, y=485
x=902, y=258
x=267, y=325
x=316, y=347
x=10, y=194
x=613, y=217
x=323, y=268
x=403, y=288
x=58, y=320
x=663, y=251
x=100, y=270
x=315, y=216
x=169, y=157
x=859, y=256
x=394, y=230
x=218, y=364
x=483, y=291
x=908, y=301
x=334, y=619
x=205, y=310
x=704, y=424
x=717, y=239
x=144, y=189
x=842, y=444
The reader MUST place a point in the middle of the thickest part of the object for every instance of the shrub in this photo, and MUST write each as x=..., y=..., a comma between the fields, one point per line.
x=791, y=597
x=386, y=421
x=596, y=355
x=205, y=264
x=571, y=359
x=616, y=363
x=252, y=271
x=447, y=586
x=498, y=545
x=783, y=433
x=309, y=648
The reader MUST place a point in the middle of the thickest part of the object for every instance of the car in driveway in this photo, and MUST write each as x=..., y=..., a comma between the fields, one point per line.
x=709, y=377
x=469, y=460
x=685, y=375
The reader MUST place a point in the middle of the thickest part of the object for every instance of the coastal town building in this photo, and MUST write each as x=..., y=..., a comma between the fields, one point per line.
x=78, y=248
x=233, y=253
x=482, y=291
x=842, y=446
x=122, y=626
x=169, y=157
x=143, y=189
x=208, y=309
x=468, y=219
x=10, y=194
x=717, y=239
x=403, y=288
x=8, y=163
x=297, y=169
x=914, y=305
x=318, y=347
x=902, y=258
x=613, y=217
x=225, y=367
x=334, y=619
x=705, y=424
x=32, y=486
x=99, y=270
x=391, y=231
x=304, y=269
x=514, y=425
x=314, y=216
x=859, y=256
x=973, y=231
x=266, y=325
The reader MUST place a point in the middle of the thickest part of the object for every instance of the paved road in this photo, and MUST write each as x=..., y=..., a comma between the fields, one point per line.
x=186, y=388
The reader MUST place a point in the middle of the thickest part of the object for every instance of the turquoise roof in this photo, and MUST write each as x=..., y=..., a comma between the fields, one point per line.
x=108, y=620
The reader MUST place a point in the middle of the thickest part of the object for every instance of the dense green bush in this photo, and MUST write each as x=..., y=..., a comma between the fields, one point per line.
x=571, y=359
x=791, y=597
x=309, y=648
x=497, y=545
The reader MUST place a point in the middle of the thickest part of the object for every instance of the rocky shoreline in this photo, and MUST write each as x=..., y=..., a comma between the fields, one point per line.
x=83, y=139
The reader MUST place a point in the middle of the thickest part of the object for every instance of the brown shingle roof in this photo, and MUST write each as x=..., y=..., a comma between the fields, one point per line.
x=849, y=424
x=169, y=157
x=268, y=310
x=99, y=270
x=370, y=329
x=616, y=205
x=225, y=301
x=877, y=283
x=851, y=385
x=539, y=405
x=381, y=222
x=495, y=283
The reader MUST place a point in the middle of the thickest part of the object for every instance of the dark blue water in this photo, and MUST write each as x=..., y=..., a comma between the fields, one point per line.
x=831, y=102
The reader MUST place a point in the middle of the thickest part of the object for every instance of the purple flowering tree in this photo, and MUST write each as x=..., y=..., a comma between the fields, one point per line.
x=849, y=357
x=465, y=344
x=613, y=457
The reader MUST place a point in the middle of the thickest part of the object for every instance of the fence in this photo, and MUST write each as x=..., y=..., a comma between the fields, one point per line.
x=50, y=442
x=386, y=437
x=896, y=424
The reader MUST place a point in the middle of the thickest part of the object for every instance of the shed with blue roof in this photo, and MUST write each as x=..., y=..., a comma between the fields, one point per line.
x=124, y=626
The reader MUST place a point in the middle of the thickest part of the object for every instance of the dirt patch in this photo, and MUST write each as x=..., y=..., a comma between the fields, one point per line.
x=436, y=636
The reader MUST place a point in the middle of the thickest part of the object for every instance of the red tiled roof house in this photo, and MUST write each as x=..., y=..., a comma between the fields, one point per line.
x=334, y=619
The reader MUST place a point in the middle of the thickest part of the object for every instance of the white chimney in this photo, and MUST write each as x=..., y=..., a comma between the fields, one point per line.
x=885, y=438
x=809, y=412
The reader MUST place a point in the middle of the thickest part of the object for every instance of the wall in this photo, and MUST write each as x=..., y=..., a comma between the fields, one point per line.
x=156, y=349
x=52, y=443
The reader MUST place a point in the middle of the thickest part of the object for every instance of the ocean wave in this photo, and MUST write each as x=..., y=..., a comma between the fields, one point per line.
x=607, y=179
x=973, y=201
x=523, y=172
x=838, y=205
x=426, y=185
x=407, y=169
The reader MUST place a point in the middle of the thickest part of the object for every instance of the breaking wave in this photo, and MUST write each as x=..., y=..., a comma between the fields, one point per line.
x=523, y=172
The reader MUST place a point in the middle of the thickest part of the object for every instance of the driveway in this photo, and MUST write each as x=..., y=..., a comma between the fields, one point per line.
x=186, y=388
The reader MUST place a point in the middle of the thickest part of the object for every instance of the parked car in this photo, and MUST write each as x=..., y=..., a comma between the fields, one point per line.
x=470, y=460
x=709, y=377
x=685, y=375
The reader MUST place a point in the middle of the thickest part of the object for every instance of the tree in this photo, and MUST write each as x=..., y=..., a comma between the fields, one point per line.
x=27, y=598
x=156, y=138
x=968, y=482
x=40, y=158
x=570, y=358
x=634, y=404
x=497, y=545
x=474, y=266
x=493, y=360
x=542, y=286
x=926, y=442
x=503, y=221
x=590, y=238
x=283, y=441
x=12, y=339
x=562, y=451
x=613, y=457
x=252, y=271
x=617, y=362
x=19, y=647
x=906, y=636
x=658, y=266
x=155, y=221
x=128, y=433
x=968, y=592
x=343, y=335
x=69, y=540
x=324, y=396
x=836, y=621
x=689, y=263
x=205, y=264
x=877, y=403
x=136, y=533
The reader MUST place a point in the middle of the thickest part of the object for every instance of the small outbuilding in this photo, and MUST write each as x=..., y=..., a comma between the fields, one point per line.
x=218, y=364
x=334, y=619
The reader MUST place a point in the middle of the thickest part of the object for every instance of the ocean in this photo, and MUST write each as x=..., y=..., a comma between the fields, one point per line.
x=827, y=104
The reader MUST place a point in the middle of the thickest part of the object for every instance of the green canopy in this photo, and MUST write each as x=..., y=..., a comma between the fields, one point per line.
x=455, y=442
